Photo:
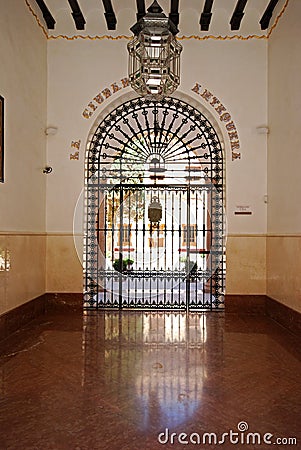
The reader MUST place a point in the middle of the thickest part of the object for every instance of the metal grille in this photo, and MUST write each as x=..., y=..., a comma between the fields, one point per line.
x=154, y=210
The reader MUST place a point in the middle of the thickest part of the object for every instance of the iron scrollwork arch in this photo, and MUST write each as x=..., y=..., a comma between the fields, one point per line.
x=171, y=136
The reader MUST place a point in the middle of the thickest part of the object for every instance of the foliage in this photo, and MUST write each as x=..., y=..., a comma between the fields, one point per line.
x=190, y=266
x=125, y=263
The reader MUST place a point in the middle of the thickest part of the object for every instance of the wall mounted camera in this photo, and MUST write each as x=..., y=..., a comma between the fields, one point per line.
x=47, y=169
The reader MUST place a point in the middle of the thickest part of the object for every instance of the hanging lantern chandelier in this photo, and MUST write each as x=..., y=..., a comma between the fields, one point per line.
x=155, y=211
x=154, y=55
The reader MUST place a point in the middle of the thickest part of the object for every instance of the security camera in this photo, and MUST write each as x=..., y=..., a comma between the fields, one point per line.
x=47, y=169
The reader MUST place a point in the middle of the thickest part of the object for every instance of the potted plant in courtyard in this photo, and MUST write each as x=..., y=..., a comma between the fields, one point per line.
x=127, y=264
x=190, y=266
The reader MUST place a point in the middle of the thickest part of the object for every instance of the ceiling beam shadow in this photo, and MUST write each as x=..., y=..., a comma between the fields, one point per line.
x=109, y=15
x=140, y=9
x=174, y=12
x=77, y=15
x=267, y=15
x=50, y=22
x=238, y=15
x=206, y=15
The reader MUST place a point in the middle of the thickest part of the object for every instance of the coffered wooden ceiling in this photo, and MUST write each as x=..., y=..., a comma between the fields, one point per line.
x=198, y=18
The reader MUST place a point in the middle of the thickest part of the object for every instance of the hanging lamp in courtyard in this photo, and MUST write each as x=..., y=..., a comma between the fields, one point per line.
x=155, y=210
x=154, y=55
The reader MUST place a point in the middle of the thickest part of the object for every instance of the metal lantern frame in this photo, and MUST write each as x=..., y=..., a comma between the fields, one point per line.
x=155, y=210
x=154, y=55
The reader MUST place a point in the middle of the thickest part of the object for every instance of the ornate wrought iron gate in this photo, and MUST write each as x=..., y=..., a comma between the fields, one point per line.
x=154, y=210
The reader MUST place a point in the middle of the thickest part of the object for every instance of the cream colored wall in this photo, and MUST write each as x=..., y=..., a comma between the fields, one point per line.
x=234, y=71
x=246, y=264
x=284, y=160
x=64, y=269
x=23, y=80
x=283, y=269
x=25, y=258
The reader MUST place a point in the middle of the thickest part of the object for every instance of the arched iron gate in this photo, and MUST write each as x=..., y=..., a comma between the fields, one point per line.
x=154, y=235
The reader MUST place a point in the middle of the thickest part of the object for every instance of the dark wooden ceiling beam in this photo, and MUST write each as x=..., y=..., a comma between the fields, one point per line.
x=238, y=15
x=109, y=15
x=50, y=22
x=206, y=15
x=267, y=15
x=77, y=15
x=174, y=12
x=140, y=9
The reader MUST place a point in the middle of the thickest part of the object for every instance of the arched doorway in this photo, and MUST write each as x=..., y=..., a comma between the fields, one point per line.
x=154, y=235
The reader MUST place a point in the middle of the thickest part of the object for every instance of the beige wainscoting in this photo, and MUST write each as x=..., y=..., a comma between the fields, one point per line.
x=22, y=268
x=246, y=264
x=284, y=269
x=64, y=270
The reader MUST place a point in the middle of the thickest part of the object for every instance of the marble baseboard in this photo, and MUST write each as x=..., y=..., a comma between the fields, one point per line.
x=261, y=305
x=264, y=305
x=18, y=317
x=245, y=304
x=13, y=320
x=285, y=316
x=66, y=301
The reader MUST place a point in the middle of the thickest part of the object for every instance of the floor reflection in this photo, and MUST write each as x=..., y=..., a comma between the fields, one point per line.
x=5, y=260
x=155, y=362
x=122, y=379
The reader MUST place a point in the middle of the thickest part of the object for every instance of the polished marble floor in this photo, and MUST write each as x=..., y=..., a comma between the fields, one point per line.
x=129, y=381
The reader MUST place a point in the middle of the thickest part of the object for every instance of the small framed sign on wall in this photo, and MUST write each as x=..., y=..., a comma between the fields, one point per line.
x=1, y=139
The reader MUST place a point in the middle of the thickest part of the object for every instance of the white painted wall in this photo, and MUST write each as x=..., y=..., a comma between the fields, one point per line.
x=284, y=160
x=23, y=79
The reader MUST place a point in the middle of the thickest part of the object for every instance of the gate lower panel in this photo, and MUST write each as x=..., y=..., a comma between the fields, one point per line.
x=174, y=264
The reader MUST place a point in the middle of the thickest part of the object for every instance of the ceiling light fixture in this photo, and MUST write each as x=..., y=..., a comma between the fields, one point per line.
x=154, y=55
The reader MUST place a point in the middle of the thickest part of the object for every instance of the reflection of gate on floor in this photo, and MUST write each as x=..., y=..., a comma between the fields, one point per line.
x=154, y=198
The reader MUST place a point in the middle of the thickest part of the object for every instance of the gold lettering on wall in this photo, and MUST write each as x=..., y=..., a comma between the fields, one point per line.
x=87, y=114
x=106, y=92
x=235, y=145
x=235, y=156
x=224, y=116
x=75, y=145
x=99, y=99
x=196, y=88
x=74, y=156
x=104, y=95
x=233, y=136
x=92, y=106
x=220, y=109
x=115, y=88
x=206, y=95
x=125, y=82
x=214, y=101
x=230, y=126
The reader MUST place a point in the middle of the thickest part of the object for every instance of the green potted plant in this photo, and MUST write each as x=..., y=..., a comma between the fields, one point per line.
x=189, y=265
x=127, y=264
